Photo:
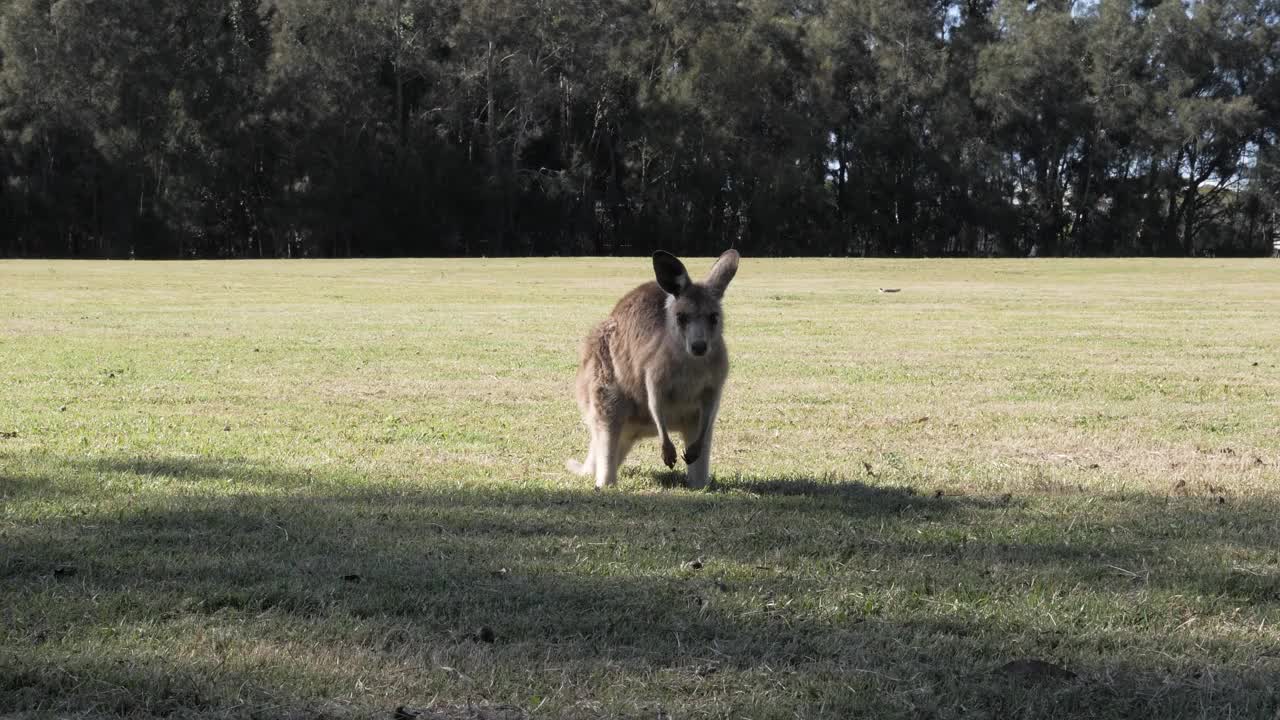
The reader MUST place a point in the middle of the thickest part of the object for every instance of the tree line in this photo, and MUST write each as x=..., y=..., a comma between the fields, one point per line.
x=336, y=128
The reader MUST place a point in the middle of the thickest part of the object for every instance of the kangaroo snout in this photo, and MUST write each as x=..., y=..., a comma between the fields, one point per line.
x=698, y=347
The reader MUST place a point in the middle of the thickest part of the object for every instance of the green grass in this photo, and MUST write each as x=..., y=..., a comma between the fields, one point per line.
x=301, y=489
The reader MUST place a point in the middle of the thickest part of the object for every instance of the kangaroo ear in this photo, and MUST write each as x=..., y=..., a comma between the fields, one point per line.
x=672, y=277
x=722, y=272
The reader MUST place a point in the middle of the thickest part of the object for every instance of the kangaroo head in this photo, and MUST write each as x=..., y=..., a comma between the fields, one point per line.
x=693, y=309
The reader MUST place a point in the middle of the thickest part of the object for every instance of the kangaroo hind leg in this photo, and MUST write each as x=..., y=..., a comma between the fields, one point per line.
x=606, y=443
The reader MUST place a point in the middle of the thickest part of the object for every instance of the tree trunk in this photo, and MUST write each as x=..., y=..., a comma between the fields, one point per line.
x=401, y=120
x=496, y=175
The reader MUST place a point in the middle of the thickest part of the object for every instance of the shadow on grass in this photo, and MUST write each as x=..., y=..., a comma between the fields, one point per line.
x=16, y=487
x=850, y=496
x=195, y=468
x=832, y=593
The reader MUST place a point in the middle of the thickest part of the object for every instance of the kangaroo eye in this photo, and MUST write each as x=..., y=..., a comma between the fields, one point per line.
x=682, y=318
x=713, y=318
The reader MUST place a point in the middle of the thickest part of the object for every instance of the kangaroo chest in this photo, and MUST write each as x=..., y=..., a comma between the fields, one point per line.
x=683, y=388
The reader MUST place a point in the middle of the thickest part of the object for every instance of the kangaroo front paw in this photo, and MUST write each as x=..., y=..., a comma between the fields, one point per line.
x=668, y=453
x=692, y=453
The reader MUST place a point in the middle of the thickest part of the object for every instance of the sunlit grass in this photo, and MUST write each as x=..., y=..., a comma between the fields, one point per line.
x=320, y=488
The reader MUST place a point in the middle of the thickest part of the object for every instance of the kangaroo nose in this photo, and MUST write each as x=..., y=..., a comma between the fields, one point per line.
x=699, y=348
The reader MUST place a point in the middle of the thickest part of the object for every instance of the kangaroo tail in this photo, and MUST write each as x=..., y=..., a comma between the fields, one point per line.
x=586, y=467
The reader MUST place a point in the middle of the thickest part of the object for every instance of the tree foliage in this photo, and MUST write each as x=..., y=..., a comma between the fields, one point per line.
x=319, y=128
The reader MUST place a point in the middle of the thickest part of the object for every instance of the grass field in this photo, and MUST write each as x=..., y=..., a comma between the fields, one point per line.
x=331, y=489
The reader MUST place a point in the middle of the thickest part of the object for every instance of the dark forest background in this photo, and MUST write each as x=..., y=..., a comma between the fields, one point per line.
x=336, y=128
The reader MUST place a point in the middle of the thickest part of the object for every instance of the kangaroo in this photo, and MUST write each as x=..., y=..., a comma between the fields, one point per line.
x=658, y=363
